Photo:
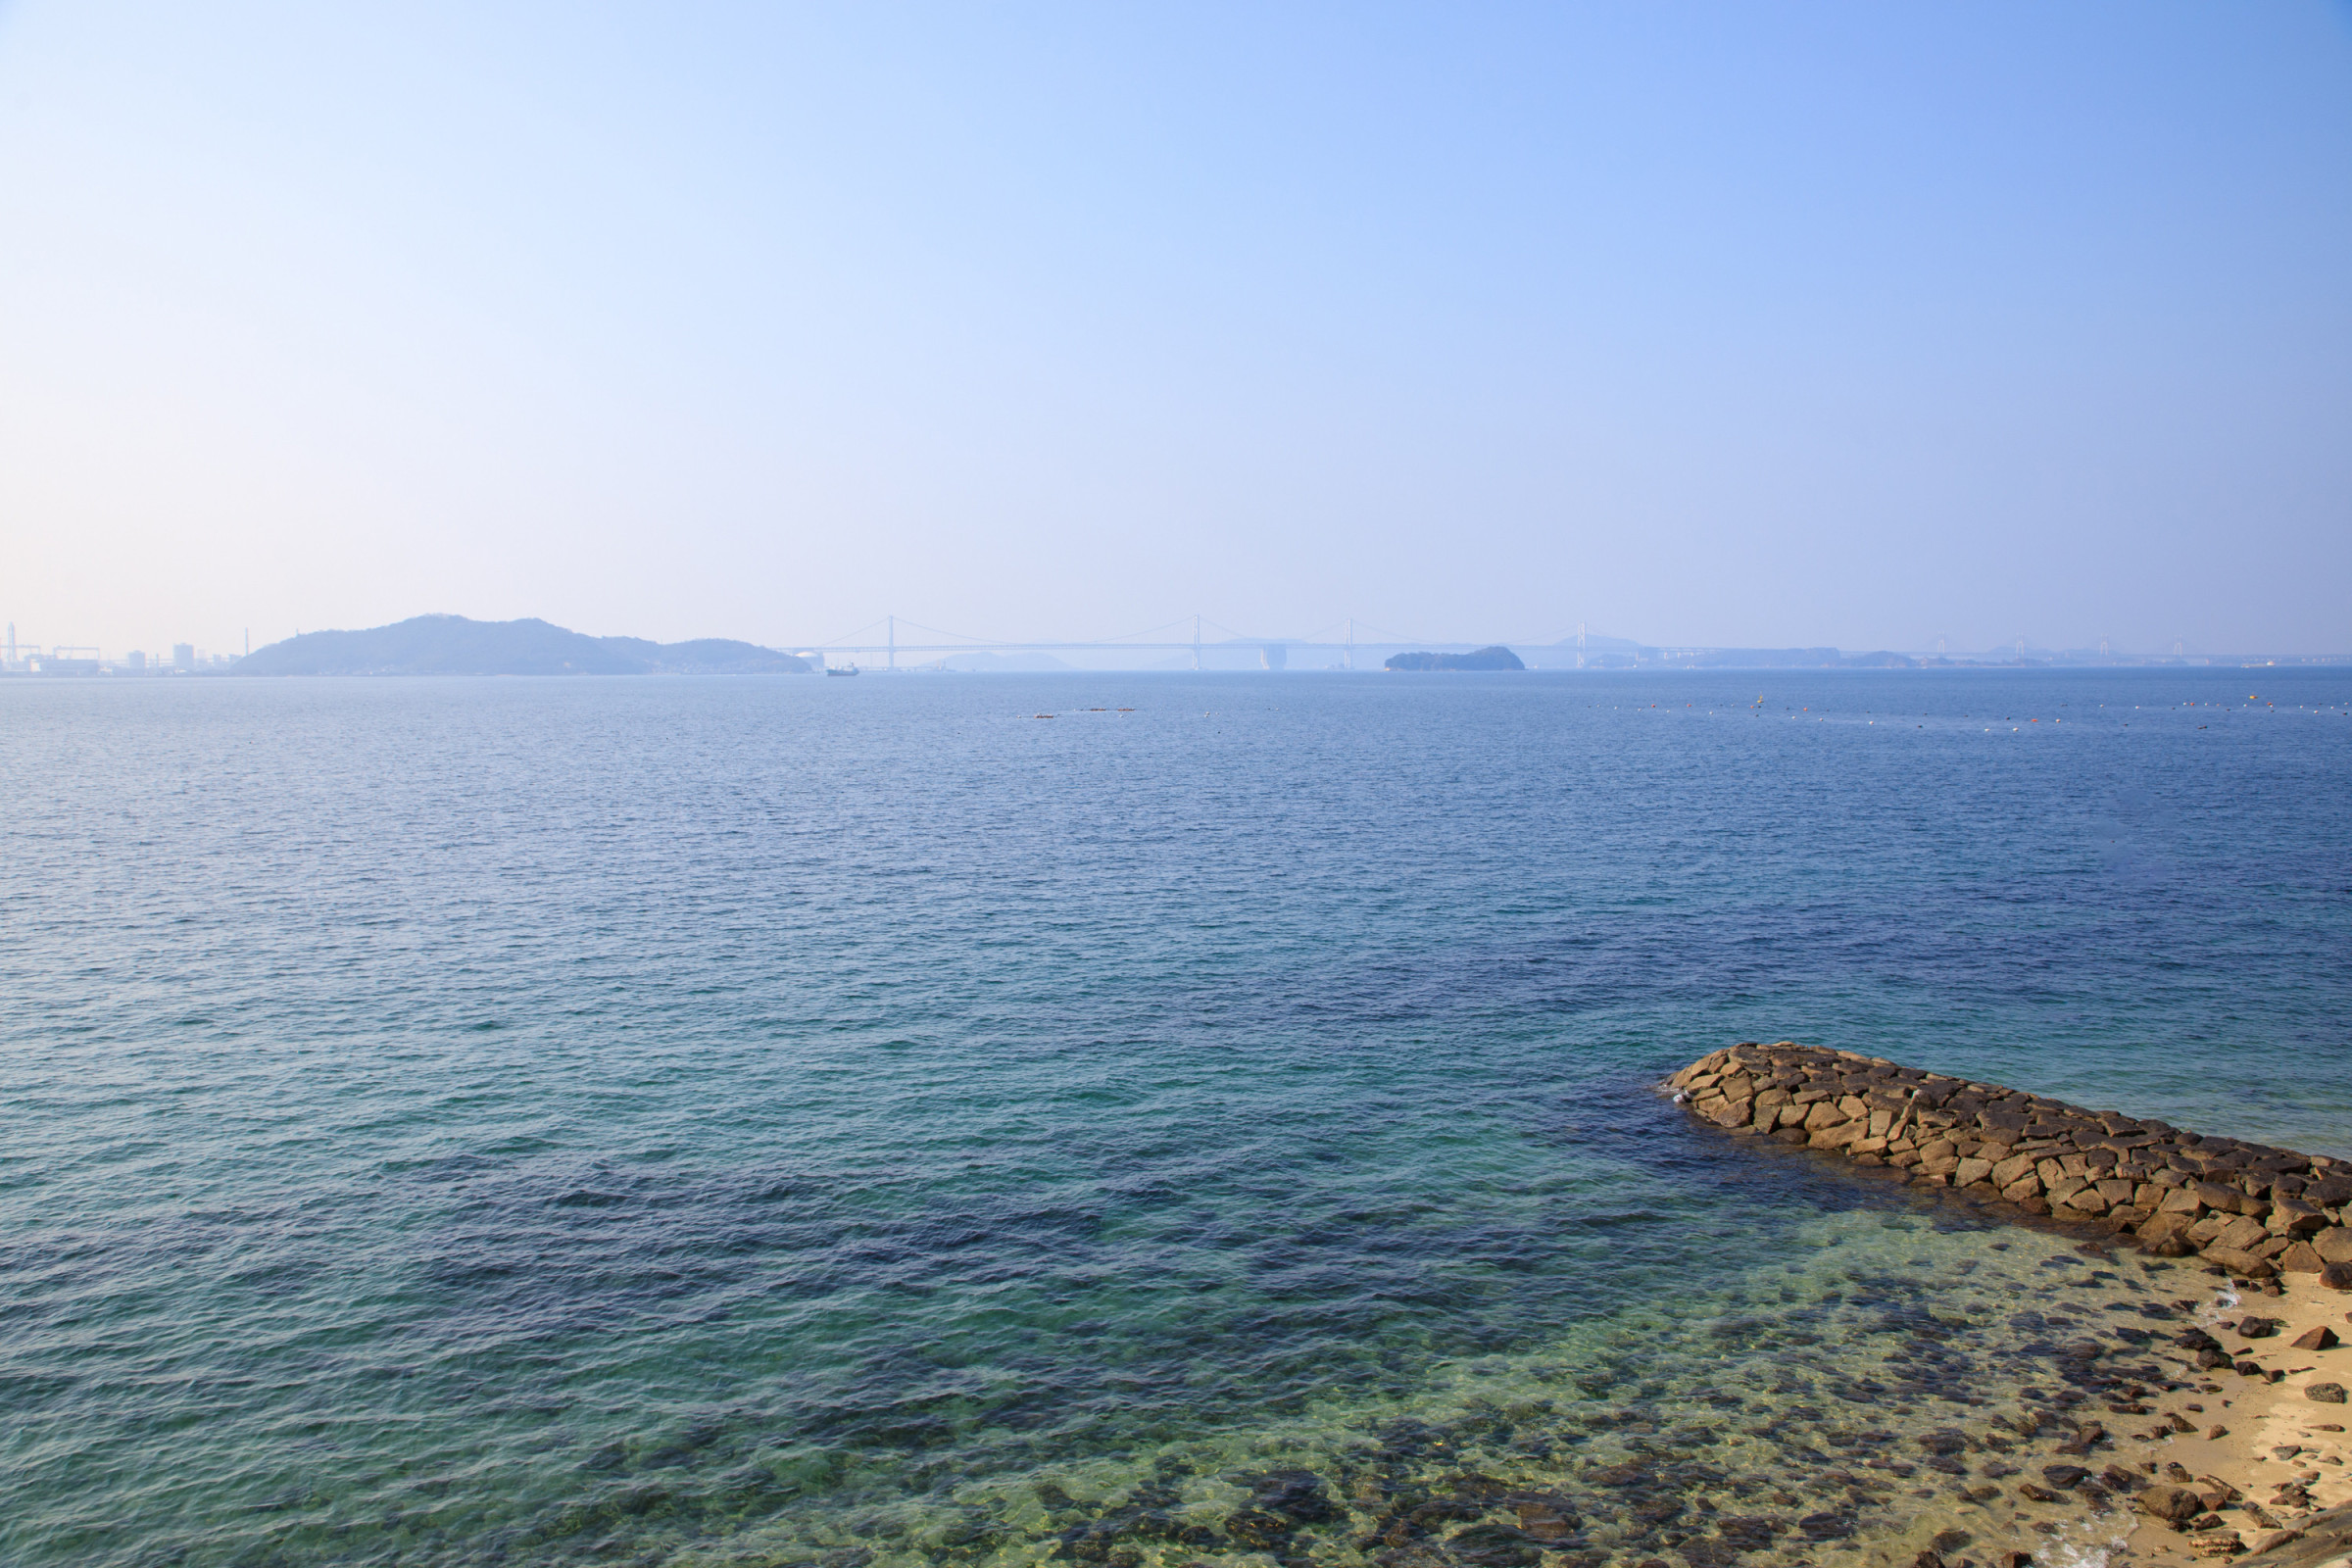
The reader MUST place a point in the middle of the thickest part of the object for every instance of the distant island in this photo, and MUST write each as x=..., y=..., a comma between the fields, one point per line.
x=452, y=645
x=1491, y=657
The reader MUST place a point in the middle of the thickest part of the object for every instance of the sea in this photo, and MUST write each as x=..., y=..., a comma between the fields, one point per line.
x=1142, y=1120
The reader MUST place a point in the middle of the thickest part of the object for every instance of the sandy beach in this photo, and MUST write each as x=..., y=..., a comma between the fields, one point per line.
x=2256, y=1435
x=2203, y=1439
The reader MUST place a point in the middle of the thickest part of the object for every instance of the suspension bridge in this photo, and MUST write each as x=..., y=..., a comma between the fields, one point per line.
x=1349, y=639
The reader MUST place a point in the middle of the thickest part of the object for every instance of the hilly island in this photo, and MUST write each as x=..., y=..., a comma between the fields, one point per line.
x=452, y=645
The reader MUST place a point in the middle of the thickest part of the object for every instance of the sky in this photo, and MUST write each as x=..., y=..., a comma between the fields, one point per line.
x=1845, y=324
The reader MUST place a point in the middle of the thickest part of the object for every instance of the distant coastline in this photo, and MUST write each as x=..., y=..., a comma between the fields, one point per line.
x=452, y=645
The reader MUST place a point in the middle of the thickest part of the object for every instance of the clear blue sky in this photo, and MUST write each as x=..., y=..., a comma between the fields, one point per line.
x=1734, y=324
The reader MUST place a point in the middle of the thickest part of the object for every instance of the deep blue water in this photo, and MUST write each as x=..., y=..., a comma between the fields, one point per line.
x=864, y=1121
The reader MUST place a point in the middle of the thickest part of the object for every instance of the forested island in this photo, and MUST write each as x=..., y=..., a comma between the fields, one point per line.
x=1489, y=657
x=452, y=645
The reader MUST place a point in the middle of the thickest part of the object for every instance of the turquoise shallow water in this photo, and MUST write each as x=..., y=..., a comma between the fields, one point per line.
x=862, y=1122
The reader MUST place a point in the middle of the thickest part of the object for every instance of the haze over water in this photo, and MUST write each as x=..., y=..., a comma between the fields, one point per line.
x=853, y=1122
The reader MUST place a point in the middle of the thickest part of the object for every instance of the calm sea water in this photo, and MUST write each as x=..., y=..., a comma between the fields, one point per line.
x=848, y=1122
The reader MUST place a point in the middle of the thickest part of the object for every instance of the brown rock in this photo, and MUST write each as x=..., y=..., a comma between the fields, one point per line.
x=1971, y=1171
x=2334, y=1245
x=2336, y=1276
x=2260, y=1328
x=2174, y=1506
x=2245, y=1265
x=2324, y=1393
x=2208, y=1230
x=2013, y=1170
x=2014, y=1560
x=2293, y=1216
x=2087, y=1436
x=2241, y=1235
x=2300, y=1258
x=2321, y=1338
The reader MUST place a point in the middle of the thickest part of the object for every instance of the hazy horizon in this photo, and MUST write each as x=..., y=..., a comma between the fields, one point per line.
x=920, y=645
x=1699, y=324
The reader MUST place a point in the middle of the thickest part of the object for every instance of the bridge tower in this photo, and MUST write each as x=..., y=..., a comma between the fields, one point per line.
x=1195, y=642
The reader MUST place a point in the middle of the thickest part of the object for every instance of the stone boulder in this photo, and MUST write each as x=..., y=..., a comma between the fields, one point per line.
x=2241, y=1235
x=2174, y=1506
x=2291, y=1217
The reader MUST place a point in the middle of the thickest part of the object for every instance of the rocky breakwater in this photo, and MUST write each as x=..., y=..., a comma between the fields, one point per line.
x=2256, y=1211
